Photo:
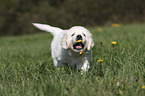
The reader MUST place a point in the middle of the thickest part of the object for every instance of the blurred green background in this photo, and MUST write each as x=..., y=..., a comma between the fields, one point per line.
x=16, y=16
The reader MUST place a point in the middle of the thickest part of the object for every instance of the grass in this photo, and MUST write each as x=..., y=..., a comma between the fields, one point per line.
x=26, y=66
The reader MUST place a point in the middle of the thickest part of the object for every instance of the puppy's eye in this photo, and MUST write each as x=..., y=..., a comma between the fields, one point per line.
x=73, y=34
x=84, y=34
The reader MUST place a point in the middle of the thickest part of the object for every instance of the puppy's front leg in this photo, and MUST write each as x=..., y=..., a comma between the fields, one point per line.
x=85, y=66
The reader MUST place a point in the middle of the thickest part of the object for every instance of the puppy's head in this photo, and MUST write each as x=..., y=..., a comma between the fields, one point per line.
x=78, y=39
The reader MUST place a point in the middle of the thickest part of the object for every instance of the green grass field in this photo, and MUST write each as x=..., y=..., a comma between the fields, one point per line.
x=26, y=66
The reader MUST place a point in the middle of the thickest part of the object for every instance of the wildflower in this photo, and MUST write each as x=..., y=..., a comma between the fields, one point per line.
x=114, y=43
x=80, y=52
x=99, y=29
x=115, y=25
x=100, y=60
x=79, y=41
x=143, y=87
x=117, y=83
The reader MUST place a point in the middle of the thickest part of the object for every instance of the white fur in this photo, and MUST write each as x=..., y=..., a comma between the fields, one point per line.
x=62, y=49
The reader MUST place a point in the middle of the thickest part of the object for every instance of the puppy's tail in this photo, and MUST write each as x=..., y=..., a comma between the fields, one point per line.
x=53, y=30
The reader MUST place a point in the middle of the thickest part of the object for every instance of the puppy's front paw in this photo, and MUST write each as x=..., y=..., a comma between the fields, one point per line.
x=83, y=72
x=85, y=67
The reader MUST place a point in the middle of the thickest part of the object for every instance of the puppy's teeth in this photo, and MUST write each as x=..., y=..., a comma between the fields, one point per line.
x=80, y=52
x=79, y=41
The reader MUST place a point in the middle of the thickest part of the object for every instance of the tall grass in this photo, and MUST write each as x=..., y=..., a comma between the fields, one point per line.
x=26, y=66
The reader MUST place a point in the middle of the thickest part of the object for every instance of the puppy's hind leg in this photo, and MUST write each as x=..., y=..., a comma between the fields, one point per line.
x=57, y=63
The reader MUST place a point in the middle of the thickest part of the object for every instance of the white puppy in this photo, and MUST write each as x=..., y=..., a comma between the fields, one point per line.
x=71, y=46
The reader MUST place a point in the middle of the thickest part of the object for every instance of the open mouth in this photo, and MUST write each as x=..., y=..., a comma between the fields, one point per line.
x=78, y=46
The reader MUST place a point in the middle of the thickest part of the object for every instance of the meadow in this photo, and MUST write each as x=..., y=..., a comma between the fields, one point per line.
x=26, y=66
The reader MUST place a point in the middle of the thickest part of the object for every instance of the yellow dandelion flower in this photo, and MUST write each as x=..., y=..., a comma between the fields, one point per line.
x=100, y=60
x=114, y=43
x=80, y=52
x=143, y=87
x=115, y=25
x=79, y=41
x=99, y=29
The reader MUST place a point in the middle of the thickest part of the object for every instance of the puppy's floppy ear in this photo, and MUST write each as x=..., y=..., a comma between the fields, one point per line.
x=90, y=43
x=64, y=42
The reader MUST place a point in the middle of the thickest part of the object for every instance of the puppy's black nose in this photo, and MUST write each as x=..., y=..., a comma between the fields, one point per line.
x=79, y=37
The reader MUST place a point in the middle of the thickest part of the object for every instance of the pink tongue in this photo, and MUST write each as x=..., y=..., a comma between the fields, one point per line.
x=78, y=47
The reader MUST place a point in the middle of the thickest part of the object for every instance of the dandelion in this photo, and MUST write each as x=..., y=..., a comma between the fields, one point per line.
x=79, y=41
x=114, y=43
x=115, y=25
x=99, y=29
x=100, y=60
x=80, y=52
x=143, y=87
